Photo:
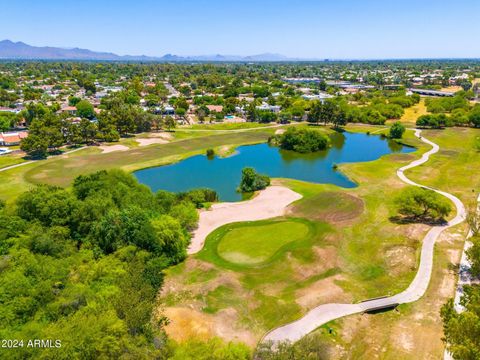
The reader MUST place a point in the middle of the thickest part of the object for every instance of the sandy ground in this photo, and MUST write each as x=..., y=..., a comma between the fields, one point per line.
x=108, y=149
x=150, y=141
x=279, y=131
x=189, y=323
x=269, y=203
x=163, y=135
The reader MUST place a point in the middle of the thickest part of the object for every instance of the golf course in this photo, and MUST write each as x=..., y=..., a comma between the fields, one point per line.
x=252, y=272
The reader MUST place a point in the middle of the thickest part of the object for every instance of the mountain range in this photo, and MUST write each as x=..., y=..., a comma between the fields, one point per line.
x=22, y=51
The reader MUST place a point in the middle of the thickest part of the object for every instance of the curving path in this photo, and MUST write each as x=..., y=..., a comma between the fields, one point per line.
x=328, y=312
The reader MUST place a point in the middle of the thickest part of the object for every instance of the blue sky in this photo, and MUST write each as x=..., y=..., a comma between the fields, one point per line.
x=335, y=29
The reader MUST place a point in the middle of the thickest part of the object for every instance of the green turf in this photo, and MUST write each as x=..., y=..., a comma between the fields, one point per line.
x=227, y=126
x=62, y=169
x=255, y=244
x=9, y=160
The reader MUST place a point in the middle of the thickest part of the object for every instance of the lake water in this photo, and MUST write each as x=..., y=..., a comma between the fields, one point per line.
x=224, y=174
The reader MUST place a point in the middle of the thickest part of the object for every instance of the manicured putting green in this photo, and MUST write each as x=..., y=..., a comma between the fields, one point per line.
x=253, y=245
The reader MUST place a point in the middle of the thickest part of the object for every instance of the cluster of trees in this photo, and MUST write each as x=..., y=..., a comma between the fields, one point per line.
x=252, y=181
x=302, y=140
x=48, y=130
x=327, y=112
x=84, y=266
x=458, y=117
x=8, y=120
x=420, y=204
x=461, y=329
x=448, y=104
x=451, y=111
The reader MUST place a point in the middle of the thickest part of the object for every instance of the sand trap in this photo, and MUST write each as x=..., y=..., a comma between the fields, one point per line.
x=151, y=141
x=108, y=149
x=163, y=135
x=279, y=131
x=269, y=203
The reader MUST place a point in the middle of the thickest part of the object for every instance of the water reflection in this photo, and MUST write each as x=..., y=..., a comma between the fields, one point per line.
x=223, y=174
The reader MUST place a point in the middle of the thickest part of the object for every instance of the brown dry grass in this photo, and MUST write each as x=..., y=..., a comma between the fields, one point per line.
x=331, y=207
x=412, y=113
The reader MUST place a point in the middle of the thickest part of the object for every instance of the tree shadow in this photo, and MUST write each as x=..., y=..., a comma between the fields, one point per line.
x=405, y=220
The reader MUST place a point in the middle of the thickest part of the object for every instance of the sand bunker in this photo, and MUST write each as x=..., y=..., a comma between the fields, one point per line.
x=108, y=149
x=269, y=203
x=151, y=141
x=163, y=135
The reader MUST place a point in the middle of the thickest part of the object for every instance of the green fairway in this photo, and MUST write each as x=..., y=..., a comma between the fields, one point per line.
x=62, y=169
x=254, y=244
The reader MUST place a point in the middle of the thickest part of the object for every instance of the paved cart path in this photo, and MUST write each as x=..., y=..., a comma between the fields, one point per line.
x=328, y=312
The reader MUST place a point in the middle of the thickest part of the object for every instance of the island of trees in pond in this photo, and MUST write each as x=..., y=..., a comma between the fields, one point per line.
x=301, y=140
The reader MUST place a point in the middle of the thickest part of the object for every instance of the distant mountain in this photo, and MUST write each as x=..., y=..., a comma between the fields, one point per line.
x=20, y=50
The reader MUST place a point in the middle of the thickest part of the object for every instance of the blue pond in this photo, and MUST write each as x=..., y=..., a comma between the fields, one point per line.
x=223, y=174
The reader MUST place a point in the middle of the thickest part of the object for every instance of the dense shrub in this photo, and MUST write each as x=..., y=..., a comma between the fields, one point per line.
x=303, y=140
x=251, y=181
x=396, y=130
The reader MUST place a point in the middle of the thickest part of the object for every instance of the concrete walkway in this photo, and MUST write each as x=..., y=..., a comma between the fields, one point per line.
x=328, y=312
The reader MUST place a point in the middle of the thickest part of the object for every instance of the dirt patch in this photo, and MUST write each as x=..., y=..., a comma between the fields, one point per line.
x=414, y=232
x=447, y=286
x=176, y=285
x=108, y=149
x=325, y=259
x=321, y=292
x=162, y=135
x=454, y=255
x=450, y=237
x=332, y=207
x=404, y=338
x=448, y=152
x=186, y=323
x=44, y=174
x=227, y=151
x=401, y=157
x=400, y=259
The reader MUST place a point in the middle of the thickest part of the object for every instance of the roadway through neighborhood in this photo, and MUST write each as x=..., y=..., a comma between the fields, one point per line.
x=327, y=312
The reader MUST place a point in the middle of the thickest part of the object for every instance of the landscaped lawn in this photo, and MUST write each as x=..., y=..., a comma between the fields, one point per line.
x=254, y=244
x=227, y=126
x=9, y=160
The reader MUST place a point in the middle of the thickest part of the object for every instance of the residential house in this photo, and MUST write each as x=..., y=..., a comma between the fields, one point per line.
x=12, y=138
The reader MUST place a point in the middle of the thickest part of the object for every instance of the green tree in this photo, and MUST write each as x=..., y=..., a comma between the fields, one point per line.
x=251, y=181
x=35, y=146
x=87, y=130
x=397, y=130
x=422, y=204
x=170, y=123
x=85, y=109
